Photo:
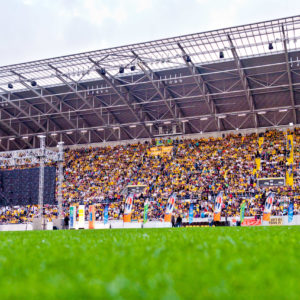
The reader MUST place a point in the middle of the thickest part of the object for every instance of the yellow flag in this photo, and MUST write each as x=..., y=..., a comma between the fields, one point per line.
x=260, y=141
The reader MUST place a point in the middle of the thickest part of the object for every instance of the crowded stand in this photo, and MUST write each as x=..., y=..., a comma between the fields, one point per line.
x=273, y=155
x=195, y=169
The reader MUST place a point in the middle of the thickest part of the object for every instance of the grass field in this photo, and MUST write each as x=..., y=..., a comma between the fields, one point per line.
x=181, y=263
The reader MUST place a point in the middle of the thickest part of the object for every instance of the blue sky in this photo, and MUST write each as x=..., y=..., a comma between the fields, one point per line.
x=36, y=29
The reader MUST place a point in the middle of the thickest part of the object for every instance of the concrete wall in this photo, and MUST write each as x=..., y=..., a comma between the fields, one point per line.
x=16, y=227
x=118, y=224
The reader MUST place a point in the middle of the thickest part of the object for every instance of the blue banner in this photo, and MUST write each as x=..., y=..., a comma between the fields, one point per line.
x=106, y=214
x=191, y=213
x=291, y=212
x=72, y=220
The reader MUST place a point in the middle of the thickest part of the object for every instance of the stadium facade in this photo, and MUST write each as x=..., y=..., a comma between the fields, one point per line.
x=244, y=77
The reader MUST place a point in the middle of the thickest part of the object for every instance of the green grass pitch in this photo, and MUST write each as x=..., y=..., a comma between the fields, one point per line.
x=182, y=263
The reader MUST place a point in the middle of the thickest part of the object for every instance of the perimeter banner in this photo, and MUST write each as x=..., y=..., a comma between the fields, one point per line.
x=170, y=207
x=276, y=221
x=72, y=222
x=268, y=207
x=81, y=215
x=92, y=217
x=251, y=222
x=128, y=208
x=105, y=214
x=291, y=212
x=218, y=207
x=191, y=213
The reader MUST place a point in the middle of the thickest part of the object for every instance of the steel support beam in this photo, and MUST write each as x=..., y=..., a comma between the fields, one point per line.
x=244, y=79
x=114, y=117
x=110, y=82
x=150, y=75
x=199, y=82
x=202, y=86
x=131, y=108
x=17, y=134
x=46, y=101
x=137, y=99
x=99, y=116
x=24, y=113
x=30, y=117
x=288, y=69
x=4, y=124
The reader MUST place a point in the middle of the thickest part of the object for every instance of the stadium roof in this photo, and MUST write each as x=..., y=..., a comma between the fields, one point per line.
x=233, y=78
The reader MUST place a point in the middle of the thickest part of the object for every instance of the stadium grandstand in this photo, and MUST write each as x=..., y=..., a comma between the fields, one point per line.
x=194, y=116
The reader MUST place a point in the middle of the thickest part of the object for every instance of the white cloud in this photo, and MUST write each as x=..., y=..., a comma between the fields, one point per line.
x=46, y=28
x=93, y=11
x=28, y=2
x=142, y=5
x=202, y=1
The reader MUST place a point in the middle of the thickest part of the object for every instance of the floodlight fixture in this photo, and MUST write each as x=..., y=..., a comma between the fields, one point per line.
x=271, y=46
x=188, y=59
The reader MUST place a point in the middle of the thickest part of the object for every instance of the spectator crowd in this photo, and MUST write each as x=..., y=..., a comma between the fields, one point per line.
x=195, y=169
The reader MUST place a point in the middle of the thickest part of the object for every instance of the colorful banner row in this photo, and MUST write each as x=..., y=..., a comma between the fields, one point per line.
x=169, y=210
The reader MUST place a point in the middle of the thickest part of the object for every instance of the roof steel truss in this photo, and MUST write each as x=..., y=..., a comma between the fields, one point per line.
x=163, y=90
x=244, y=79
x=286, y=55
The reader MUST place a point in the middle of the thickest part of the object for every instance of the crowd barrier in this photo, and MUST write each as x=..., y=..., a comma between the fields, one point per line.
x=118, y=224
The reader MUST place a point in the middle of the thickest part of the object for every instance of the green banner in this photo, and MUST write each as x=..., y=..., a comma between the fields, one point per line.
x=146, y=205
x=242, y=212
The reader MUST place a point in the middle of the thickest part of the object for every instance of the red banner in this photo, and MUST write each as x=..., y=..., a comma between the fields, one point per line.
x=251, y=222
